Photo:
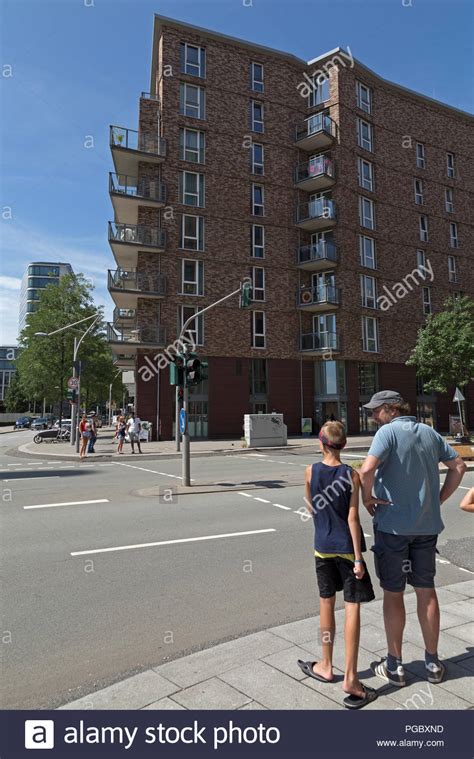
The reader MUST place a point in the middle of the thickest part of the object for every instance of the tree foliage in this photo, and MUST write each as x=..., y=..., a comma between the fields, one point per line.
x=15, y=398
x=444, y=352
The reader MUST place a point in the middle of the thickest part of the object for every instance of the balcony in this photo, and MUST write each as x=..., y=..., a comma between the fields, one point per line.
x=317, y=131
x=125, y=287
x=127, y=341
x=318, y=298
x=316, y=214
x=316, y=343
x=317, y=256
x=127, y=239
x=129, y=147
x=315, y=174
x=122, y=361
x=127, y=193
x=124, y=317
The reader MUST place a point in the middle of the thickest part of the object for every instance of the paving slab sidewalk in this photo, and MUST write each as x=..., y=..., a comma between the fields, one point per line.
x=259, y=671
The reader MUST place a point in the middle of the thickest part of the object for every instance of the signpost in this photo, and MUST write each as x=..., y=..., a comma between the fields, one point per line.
x=458, y=397
x=73, y=383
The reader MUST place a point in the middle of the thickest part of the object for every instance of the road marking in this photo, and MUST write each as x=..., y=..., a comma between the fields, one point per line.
x=22, y=479
x=263, y=500
x=367, y=535
x=466, y=570
x=14, y=464
x=280, y=506
x=152, y=471
x=34, y=463
x=462, y=487
x=172, y=542
x=66, y=503
x=247, y=495
x=260, y=455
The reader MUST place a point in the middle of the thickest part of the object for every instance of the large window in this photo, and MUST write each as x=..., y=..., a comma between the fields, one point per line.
x=330, y=378
x=192, y=60
x=256, y=77
x=370, y=336
x=258, y=283
x=258, y=200
x=256, y=117
x=258, y=376
x=367, y=378
x=367, y=252
x=192, y=232
x=192, y=278
x=192, y=101
x=319, y=91
x=368, y=290
x=366, y=213
x=258, y=329
x=192, y=145
x=365, y=135
x=364, y=97
x=366, y=174
x=191, y=189
x=257, y=248
x=196, y=327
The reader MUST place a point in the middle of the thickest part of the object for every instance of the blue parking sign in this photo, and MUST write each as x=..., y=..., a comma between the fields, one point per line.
x=182, y=421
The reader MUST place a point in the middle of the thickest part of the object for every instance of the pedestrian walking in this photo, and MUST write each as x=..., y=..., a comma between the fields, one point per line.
x=93, y=435
x=134, y=426
x=401, y=490
x=84, y=432
x=332, y=497
x=120, y=433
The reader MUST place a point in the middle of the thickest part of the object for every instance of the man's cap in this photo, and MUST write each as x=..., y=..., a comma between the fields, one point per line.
x=385, y=396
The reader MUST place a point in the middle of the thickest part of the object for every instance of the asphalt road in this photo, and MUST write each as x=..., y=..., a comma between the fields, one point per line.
x=86, y=603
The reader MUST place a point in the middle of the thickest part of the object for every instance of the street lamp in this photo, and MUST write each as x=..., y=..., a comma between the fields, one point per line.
x=75, y=406
x=110, y=396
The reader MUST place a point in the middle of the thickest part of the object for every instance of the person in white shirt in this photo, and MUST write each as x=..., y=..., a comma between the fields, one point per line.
x=134, y=426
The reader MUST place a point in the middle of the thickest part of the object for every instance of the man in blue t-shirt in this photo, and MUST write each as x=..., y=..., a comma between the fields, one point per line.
x=402, y=470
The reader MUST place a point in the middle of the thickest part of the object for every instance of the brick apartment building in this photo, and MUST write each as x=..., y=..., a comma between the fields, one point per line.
x=328, y=194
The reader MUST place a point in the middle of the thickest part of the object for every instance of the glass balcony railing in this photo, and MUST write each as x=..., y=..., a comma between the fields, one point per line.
x=143, y=187
x=144, y=142
x=315, y=167
x=324, y=250
x=321, y=208
x=137, y=234
x=319, y=122
x=308, y=296
x=153, y=334
x=138, y=281
x=127, y=315
x=319, y=341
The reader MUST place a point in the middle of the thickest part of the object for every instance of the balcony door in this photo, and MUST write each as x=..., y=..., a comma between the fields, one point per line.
x=320, y=282
x=324, y=325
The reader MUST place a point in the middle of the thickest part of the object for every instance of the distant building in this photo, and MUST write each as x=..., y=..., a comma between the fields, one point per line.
x=38, y=275
x=8, y=354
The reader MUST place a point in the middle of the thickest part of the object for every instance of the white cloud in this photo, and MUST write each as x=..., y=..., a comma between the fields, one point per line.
x=9, y=283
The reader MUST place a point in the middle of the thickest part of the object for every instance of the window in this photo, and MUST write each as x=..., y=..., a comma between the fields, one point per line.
x=192, y=145
x=424, y=228
x=364, y=135
x=192, y=232
x=453, y=235
x=368, y=290
x=256, y=117
x=370, y=339
x=258, y=283
x=256, y=77
x=367, y=252
x=426, y=295
x=418, y=192
x=367, y=378
x=420, y=155
x=319, y=91
x=196, y=327
x=366, y=213
x=329, y=377
x=256, y=159
x=258, y=200
x=448, y=200
x=258, y=376
x=450, y=164
x=192, y=278
x=421, y=260
x=452, y=269
x=192, y=101
x=191, y=188
x=366, y=174
x=258, y=329
x=258, y=241
x=192, y=60
x=364, y=97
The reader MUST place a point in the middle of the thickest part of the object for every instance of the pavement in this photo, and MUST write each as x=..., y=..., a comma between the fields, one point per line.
x=260, y=671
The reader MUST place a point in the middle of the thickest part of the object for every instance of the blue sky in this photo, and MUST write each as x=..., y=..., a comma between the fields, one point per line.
x=80, y=65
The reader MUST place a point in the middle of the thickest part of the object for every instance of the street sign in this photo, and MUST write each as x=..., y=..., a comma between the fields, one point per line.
x=182, y=421
x=73, y=383
x=458, y=396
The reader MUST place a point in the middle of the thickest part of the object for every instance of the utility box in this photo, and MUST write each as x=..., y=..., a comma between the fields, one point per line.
x=263, y=430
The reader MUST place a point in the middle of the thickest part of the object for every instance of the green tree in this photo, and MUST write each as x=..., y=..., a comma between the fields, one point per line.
x=45, y=363
x=15, y=398
x=444, y=352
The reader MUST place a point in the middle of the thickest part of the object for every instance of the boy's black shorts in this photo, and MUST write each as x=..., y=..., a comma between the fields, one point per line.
x=338, y=574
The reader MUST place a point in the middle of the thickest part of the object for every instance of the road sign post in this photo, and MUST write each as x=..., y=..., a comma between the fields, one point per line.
x=458, y=397
x=184, y=429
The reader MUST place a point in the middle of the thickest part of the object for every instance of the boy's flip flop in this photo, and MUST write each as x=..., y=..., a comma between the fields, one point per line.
x=307, y=668
x=355, y=702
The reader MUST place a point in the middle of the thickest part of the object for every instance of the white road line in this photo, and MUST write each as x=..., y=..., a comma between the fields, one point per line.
x=466, y=570
x=151, y=471
x=367, y=535
x=462, y=487
x=263, y=500
x=66, y=503
x=260, y=455
x=172, y=542
x=280, y=506
x=14, y=464
x=22, y=479
x=247, y=495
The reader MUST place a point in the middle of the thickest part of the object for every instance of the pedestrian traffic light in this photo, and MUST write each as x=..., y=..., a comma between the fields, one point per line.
x=195, y=371
x=177, y=371
x=245, y=291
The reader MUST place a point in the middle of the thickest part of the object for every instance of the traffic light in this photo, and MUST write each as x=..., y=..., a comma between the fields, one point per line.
x=195, y=371
x=245, y=293
x=177, y=371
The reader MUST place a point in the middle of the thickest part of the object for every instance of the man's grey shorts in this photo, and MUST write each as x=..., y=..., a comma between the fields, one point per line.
x=401, y=559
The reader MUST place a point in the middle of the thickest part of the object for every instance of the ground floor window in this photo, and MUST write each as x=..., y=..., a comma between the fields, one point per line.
x=366, y=422
x=259, y=408
x=426, y=412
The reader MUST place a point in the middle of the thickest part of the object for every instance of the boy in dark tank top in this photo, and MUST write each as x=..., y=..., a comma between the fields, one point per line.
x=332, y=497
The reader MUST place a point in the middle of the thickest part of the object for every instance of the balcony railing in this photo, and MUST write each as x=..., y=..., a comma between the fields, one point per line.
x=319, y=341
x=143, y=187
x=319, y=122
x=324, y=250
x=322, y=165
x=144, y=142
x=321, y=208
x=137, y=234
x=153, y=334
x=308, y=296
x=149, y=96
x=138, y=281
x=127, y=315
